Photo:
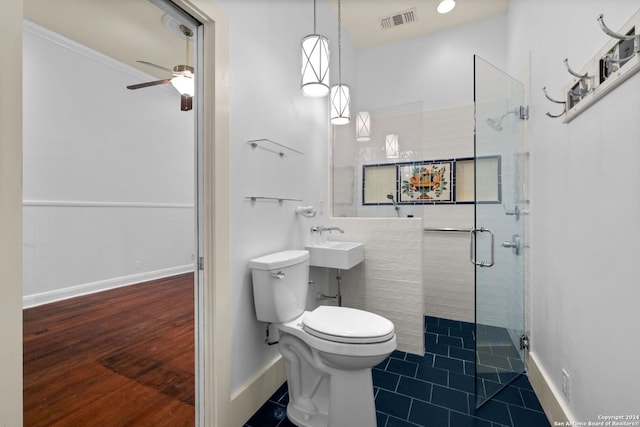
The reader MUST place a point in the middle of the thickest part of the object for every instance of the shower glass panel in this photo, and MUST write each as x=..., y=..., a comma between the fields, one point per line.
x=497, y=250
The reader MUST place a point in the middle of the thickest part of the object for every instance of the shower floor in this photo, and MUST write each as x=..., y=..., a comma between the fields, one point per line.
x=437, y=389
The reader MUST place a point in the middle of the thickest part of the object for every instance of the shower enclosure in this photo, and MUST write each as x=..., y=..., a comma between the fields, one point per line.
x=498, y=235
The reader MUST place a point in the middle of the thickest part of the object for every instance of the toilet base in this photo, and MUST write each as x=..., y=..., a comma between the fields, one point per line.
x=351, y=400
x=302, y=419
x=323, y=396
x=351, y=403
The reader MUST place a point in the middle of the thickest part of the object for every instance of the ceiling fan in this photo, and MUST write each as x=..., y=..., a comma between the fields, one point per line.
x=182, y=79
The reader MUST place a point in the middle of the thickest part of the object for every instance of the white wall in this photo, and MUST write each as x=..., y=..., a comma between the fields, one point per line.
x=436, y=68
x=108, y=173
x=266, y=103
x=584, y=175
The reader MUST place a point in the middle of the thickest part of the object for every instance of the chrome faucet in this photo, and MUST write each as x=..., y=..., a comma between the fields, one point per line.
x=321, y=228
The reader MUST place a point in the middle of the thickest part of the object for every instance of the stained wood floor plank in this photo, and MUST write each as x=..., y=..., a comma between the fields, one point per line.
x=123, y=357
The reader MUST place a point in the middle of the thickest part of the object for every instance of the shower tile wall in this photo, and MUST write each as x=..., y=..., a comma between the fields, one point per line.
x=389, y=282
x=448, y=133
x=447, y=272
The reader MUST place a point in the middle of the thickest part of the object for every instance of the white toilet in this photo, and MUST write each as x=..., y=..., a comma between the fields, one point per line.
x=328, y=352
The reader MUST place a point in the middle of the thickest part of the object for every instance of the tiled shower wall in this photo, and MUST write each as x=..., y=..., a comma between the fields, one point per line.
x=447, y=271
x=389, y=281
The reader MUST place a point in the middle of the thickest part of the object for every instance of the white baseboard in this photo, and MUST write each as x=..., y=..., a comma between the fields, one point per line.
x=549, y=396
x=252, y=395
x=34, y=300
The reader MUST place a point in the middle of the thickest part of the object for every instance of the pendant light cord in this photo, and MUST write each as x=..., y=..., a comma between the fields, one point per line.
x=314, y=17
x=339, y=44
x=187, y=62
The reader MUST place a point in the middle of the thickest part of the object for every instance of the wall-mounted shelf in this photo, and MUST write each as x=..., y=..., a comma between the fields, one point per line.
x=274, y=147
x=278, y=199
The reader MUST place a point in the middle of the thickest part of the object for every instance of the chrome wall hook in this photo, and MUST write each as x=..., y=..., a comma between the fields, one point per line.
x=572, y=72
x=612, y=58
x=544, y=90
x=610, y=67
x=582, y=88
x=608, y=31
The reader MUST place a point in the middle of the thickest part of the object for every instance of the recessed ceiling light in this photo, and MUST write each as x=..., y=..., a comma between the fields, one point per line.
x=446, y=6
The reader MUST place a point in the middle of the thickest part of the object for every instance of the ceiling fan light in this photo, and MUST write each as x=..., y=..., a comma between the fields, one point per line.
x=184, y=85
x=446, y=6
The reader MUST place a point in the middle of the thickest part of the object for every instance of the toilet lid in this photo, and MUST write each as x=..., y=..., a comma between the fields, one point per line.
x=347, y=325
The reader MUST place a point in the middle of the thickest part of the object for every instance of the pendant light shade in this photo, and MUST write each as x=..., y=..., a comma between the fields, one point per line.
x=391, y=147
x=315, y=63
x=363, y=126
x=340, y=105
x=340, y=96
x=315, y=66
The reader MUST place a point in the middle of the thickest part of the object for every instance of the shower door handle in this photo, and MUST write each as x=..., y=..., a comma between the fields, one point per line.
x=472, y=247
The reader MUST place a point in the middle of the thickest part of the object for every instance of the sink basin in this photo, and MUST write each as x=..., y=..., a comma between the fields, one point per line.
x=334, y=254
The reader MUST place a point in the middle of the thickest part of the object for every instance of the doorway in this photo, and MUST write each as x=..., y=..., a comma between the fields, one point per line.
x=141, y=225
x=497, y=246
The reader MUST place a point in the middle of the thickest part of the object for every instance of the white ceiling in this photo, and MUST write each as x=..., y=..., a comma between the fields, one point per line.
x=130, y=30
x=127, y=30
x=361, y=18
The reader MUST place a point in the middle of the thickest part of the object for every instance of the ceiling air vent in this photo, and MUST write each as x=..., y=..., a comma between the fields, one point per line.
x=397, y=19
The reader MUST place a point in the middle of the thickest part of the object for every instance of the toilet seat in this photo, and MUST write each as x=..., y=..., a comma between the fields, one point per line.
x=347, y=325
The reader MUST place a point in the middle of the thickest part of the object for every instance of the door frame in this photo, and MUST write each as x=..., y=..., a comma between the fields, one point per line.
x=214, y=355
x=215, y=388
x=11, y=214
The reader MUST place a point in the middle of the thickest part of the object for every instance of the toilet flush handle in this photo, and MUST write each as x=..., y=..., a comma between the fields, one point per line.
x=278, y=275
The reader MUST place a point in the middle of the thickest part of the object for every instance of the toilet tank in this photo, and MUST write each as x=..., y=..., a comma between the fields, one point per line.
x=280, y=285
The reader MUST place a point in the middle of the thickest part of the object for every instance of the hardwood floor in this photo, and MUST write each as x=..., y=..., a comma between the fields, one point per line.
x=123, y=357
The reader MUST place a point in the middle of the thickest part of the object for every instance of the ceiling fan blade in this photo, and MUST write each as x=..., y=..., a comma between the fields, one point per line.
x=151, y=64
x=186, y=103
x=147, y=84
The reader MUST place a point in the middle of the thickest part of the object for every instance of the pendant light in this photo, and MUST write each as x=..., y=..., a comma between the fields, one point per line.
x=315, y=63
x=340, y=97
x=363, y=126
x=391, y=147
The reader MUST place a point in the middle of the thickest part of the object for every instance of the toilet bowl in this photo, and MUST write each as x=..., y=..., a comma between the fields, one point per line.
x=328, y=352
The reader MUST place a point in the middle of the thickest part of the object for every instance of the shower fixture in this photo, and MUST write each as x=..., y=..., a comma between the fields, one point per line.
x=395, y=205
x=522, y=112
x=497, y=124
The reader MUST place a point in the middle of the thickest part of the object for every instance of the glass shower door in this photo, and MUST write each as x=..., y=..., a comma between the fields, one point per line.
x=496, y=241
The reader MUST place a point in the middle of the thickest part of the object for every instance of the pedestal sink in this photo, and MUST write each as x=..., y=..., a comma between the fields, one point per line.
x=335, y=254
